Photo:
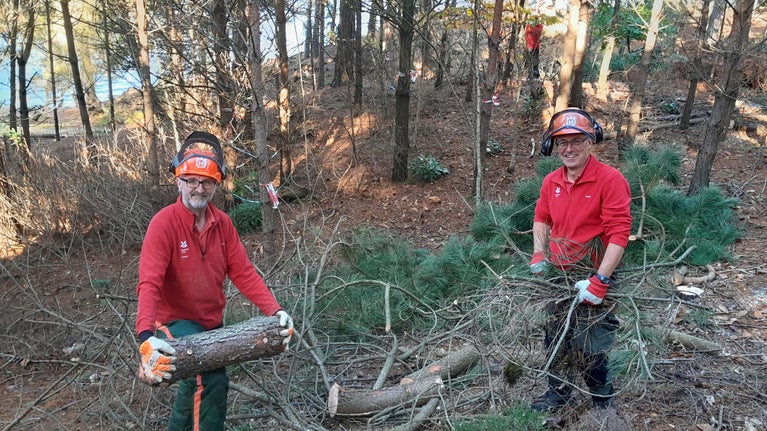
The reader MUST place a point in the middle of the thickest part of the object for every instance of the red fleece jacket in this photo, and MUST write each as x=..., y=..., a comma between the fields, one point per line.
x=182, y=272
x=597, y=205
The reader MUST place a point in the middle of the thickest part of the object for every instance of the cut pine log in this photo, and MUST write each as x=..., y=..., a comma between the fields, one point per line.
x=415, y=389
x=694, y=343
x=255, y=338
x=366, y=402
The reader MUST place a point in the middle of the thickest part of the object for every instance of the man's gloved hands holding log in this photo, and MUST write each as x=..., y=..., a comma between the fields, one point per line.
x=286, y=322
x=157, y=358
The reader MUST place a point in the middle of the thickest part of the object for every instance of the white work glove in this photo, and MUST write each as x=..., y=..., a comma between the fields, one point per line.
x=287, y=323
x=538, y=263
x=157, y=358
x=591, y=291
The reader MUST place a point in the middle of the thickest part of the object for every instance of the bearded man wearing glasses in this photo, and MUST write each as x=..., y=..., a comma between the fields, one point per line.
x=189, y=248
x=581, y=227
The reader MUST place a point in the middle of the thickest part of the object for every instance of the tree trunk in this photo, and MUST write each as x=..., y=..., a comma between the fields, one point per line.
x=255, y=338
x=512, y=40
x=357, y=59
x=442, y=61
x=269, y=217
x=344, y=55
x=54, y=97
x=175, y=69
x=576, y=88
x=14, y=32
x=724, y=101
x=488, y=89
x=108, y=58
x=402, y=93
x=425, y=33
x=224, y=93
x=566, y=61
x=147, y=92
x=319, y=27
x=715, y=22
x=640, y=80
x=604, y=69
x=283, y=98
x=697, y=66
x=415, y=388
x=77, y=82
x=308, y=29
x=21, y=59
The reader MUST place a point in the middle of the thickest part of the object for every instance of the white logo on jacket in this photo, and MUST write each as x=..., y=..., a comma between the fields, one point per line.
x=557, y=192
x=184, y=249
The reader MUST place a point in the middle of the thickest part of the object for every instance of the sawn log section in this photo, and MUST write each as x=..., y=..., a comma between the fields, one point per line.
x=414, y=389
x=255, y=338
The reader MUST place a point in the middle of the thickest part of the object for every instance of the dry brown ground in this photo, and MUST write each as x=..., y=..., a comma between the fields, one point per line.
x=690, y=391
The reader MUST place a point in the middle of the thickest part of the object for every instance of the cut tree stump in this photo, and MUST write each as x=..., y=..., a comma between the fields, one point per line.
x=415, y=389
x=255, y=338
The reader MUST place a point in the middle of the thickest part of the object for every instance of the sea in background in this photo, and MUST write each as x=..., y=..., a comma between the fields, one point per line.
x=39, y=99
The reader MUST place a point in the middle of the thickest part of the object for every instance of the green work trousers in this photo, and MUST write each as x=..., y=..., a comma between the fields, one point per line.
x=201, y=400
x=583, y=350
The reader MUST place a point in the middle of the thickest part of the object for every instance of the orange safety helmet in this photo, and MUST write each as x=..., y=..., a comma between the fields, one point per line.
x=570, y=121
x=199, y=162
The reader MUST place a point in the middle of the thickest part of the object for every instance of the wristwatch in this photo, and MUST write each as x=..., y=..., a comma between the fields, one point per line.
x=605, y=280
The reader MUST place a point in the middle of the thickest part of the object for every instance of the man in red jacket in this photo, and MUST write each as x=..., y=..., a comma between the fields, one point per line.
x=189, y=248
x=533, y=31
x=581, y=227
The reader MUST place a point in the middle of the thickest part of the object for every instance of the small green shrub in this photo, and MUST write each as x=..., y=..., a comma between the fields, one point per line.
x=246, y=187
x=427, y=168
x=246, y=217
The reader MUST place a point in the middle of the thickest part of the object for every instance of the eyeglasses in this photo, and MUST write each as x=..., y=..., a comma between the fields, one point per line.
x=573, y=142
x=193, y=183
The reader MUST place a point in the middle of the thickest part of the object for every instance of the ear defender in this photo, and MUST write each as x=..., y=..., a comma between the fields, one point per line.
x=567, y=122
x=200, y=138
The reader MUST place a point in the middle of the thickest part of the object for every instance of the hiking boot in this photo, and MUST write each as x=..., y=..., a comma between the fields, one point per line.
x=551, y=401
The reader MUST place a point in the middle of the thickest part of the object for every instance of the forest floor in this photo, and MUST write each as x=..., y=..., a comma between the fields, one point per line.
x=690, y=391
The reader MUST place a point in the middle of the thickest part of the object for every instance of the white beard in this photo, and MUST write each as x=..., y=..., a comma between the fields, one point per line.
x=198, y=202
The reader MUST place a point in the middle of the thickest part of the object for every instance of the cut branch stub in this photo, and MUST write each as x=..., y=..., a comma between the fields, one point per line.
x=255, y=338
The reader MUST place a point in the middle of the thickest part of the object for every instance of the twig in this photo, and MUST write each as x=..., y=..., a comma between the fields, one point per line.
x=562, y=337
x=38, y=400
x=420, y=419
x=674, y=262
x=640, y=342
x=388, y=363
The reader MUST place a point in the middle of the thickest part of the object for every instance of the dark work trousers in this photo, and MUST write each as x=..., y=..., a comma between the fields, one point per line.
x=584, y=349
x=532, y=58
x=201, y=400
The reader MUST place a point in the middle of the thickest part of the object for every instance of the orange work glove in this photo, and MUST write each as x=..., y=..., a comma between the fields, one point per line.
x=286, y=322
x=156, y=361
